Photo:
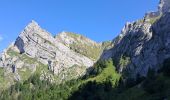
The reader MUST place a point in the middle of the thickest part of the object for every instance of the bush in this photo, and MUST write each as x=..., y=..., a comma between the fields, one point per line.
x=99, y=66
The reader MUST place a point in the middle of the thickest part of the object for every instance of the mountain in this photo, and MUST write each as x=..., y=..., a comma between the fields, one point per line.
x=143, y=44
x=69, y=66
x=66, y=56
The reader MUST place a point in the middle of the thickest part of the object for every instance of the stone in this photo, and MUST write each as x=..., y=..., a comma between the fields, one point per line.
x=35, y=43
x=147, y=45
x=19, y=64
x=164, y=6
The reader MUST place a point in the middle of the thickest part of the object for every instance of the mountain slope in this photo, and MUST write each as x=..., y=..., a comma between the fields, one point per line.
x=103, y=84
x=80, y=44
x=134, y=66
x=142, y=44
x=34, y=88
x=36, y=50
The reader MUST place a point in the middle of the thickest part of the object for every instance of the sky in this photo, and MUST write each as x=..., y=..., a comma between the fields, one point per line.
x=99, y=20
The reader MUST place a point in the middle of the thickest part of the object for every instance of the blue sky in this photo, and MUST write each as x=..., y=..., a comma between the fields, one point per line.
x=99, y=20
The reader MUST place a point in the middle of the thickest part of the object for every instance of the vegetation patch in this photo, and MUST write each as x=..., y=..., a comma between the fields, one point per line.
x=106, y=44
x=73, y=35
x=154, y=19
x=104, y=83
x=12, y=53
x=92, y=52
x=124, y=61
x=105, y=70
x=24, y=73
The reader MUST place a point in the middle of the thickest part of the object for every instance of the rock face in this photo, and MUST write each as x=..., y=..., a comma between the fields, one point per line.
x=38, y=43
x=142, y=44
x=36, y=50
x=164, y=6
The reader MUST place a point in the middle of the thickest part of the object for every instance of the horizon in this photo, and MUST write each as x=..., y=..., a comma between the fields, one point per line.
x=96, y=20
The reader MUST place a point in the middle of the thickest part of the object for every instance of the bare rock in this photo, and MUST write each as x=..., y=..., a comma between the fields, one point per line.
x=146, y=44
x=41, y=45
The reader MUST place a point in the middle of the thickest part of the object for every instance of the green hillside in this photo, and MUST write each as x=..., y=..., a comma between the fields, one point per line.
x=103, y=83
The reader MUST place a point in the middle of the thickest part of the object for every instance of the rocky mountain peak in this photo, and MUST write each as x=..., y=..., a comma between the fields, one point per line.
x=35, y=48
x=33, y=24
x=32, y=34
x=164, y=6
x=33, y=29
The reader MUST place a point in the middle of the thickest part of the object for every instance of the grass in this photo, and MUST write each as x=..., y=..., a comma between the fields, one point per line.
x=153, y=20
x=27, y=59
x=93, y=52
x=6, y=81
x=108, y=72
x=1, y=75
x=25, y=73
x=12, y=53
x=73, y=35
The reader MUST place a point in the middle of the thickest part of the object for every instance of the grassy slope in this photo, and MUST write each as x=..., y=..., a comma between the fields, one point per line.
x=157, y=88
x=92, y=51
x=107, y=72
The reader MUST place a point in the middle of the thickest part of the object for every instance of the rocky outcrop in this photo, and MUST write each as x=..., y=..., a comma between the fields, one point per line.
x=38, y=43
x=164, y=6
x=36, y=48
x=143, y=44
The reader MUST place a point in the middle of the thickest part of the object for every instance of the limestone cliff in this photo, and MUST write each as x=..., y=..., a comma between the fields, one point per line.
x=142, y=44
x=37, y=51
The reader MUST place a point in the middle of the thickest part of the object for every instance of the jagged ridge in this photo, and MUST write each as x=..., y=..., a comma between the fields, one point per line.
x=36, y=49
x=142, y=44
